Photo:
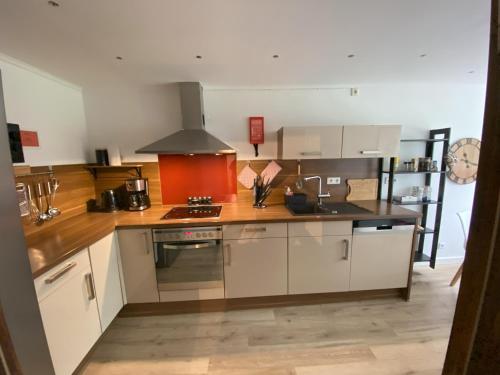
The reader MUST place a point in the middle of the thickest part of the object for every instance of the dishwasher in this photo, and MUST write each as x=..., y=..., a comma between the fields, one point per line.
x=381, y=254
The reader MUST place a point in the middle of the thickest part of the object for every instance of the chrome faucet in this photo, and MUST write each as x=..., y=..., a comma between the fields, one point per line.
x=320, y=194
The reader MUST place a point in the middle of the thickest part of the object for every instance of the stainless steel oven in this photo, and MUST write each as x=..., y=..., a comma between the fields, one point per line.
x=189, y=263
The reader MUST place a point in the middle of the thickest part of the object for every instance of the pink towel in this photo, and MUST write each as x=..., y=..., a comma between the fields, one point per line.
x=247, y=176
x=270, y=171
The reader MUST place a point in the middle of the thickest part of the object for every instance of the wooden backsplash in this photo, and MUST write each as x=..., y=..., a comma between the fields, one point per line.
x=76, y=188
x=343, y=168
x=78, y=185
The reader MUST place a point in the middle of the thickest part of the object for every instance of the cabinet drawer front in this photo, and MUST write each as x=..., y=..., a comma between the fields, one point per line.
x=191, y=295
x=320, y=228
x=264, y=230
x=51, y=280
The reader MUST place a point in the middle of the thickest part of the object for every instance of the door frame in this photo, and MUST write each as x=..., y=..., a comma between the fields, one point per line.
x=475, y=337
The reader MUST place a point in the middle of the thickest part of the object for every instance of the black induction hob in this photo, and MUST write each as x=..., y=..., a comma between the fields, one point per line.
x=193, y=212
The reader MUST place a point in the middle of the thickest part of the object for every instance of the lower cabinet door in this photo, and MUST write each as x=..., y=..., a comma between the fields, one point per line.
x=318, y=264
x=138, y=264
x=104, y=259
x=71, y=321
x=255, y=267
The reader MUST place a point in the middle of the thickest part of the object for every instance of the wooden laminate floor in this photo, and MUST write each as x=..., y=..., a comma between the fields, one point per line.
x=388, y=336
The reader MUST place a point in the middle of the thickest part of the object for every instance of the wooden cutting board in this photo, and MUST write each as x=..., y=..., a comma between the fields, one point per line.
x=362, y=189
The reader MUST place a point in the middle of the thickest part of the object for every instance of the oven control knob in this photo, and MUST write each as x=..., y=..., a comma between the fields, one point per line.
x=204, y=234
x=210, y=234
x=197, y=235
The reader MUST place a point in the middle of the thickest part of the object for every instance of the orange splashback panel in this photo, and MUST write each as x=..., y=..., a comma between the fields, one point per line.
x=183, y=176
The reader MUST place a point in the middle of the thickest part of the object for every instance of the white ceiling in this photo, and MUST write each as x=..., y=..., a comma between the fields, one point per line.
x=159, y=39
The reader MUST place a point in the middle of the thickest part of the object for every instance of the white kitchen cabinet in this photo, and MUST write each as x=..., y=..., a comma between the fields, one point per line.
x=320, y=228
x=255, y=267
x=381, y=258
x=310, y=142
x=319, y=264
x=137, y=259
x=69, y=311
x=371, y=141
x=105, y=268
x=257, y=230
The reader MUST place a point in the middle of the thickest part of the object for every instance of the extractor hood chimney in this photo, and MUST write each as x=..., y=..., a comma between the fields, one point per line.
x=193, y=138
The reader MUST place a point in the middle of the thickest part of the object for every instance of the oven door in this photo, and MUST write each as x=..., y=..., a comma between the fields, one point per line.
x=190, y=265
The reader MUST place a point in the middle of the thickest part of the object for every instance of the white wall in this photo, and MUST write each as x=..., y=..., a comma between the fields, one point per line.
x=418, y=107
x=131, y=116
x=54, y=108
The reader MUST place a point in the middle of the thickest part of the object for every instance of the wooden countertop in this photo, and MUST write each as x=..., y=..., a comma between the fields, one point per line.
x=52, y=246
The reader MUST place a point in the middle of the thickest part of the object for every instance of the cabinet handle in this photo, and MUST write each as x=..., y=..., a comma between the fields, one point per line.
x=227, y=259
x=89, y=281
x=253, y=230
x=146, y=240
x=370, y=152
x=60, y=273
x=311, y=153
x=346, y=249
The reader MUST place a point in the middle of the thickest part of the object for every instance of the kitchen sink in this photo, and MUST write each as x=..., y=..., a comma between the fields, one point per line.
x=335, y=208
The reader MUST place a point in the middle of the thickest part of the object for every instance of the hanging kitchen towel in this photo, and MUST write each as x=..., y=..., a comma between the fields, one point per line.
x=247, y=176
x=270, y=171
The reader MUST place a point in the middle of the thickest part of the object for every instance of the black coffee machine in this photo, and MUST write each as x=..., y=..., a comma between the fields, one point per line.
x=137, y=193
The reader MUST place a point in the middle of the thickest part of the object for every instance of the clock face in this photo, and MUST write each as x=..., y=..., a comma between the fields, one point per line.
x=463, y=159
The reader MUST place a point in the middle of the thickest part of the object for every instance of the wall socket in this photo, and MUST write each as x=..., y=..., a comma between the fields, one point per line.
x=333, y=180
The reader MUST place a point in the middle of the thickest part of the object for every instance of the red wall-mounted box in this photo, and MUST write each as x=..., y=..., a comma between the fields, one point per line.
x=29, y=138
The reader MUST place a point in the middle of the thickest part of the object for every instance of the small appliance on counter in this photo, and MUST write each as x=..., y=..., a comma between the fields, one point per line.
x=109, y=202
x=137, y=194
x=101, y=157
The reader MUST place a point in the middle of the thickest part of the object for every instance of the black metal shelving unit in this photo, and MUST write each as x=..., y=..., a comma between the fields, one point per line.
x=436, y=135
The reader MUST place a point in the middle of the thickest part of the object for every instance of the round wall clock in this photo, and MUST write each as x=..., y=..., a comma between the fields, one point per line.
x=463, y=159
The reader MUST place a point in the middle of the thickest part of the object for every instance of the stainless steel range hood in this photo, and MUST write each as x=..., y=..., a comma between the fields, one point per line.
x=193, y=138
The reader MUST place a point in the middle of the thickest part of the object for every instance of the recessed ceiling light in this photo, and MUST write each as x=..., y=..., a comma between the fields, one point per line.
x=119, y=58
x=276, y=56
x=199, y=57
x=423, y=55
x=351, y=55
x=53, y=3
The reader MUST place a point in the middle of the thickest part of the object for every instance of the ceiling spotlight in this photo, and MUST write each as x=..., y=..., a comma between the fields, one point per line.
x=53, y=3
x=351, y=56
x=119, y=58
x=423, y=55
x=199, y=57
x=276, y=56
